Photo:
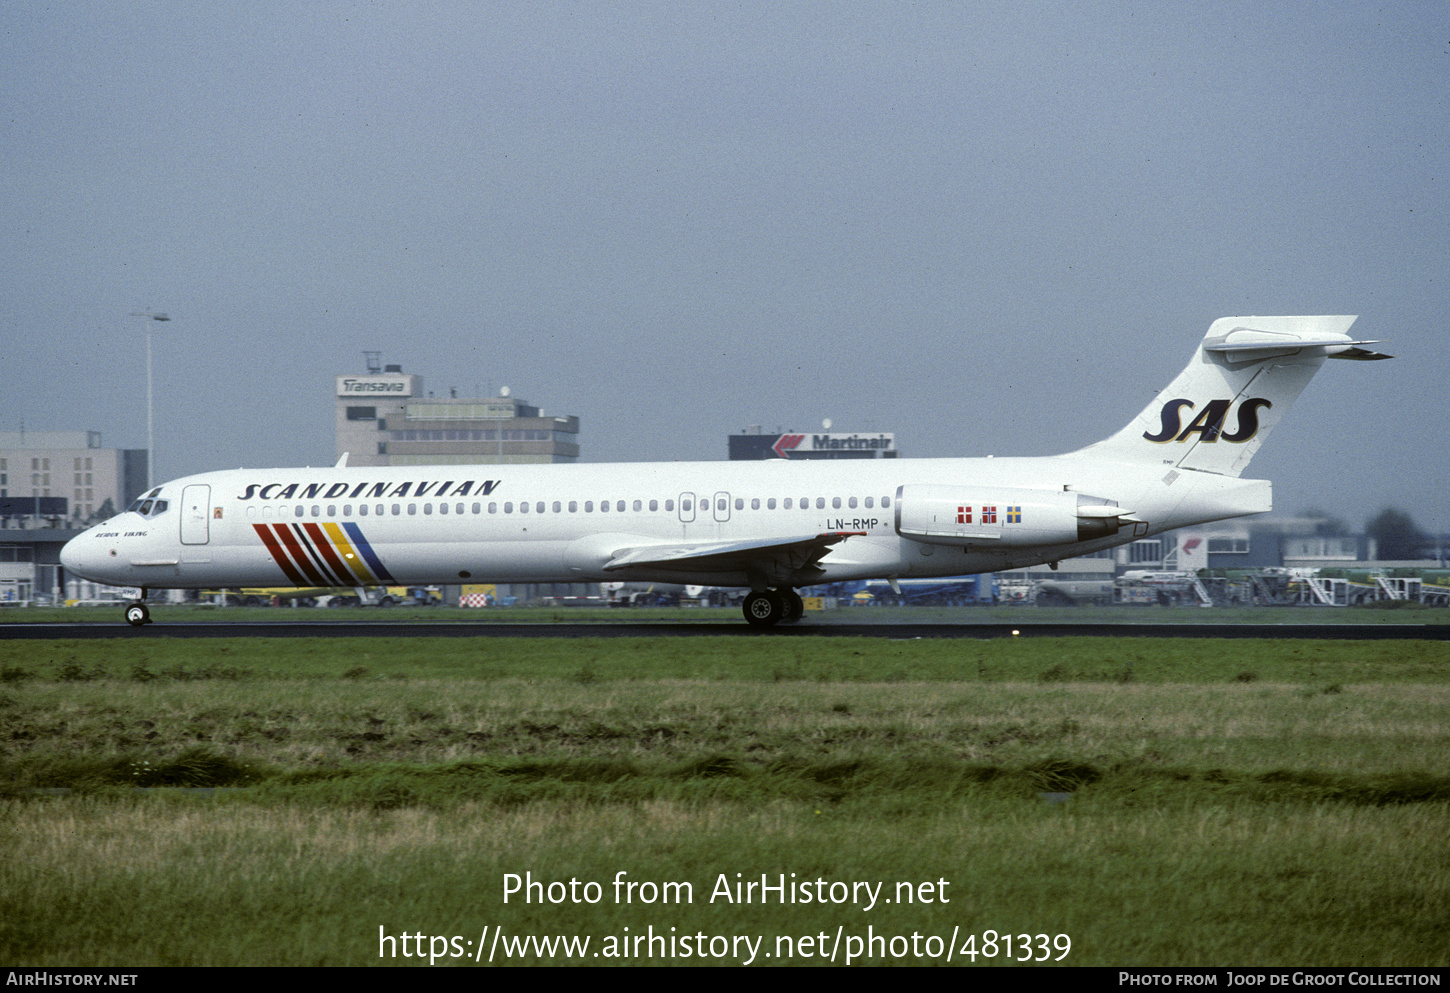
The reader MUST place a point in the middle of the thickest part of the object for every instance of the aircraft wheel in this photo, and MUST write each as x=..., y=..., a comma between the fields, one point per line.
x=763, y=608
x=137, y=615
x=795, y=607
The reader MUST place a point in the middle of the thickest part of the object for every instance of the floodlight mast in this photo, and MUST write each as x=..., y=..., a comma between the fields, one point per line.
x=150, y=418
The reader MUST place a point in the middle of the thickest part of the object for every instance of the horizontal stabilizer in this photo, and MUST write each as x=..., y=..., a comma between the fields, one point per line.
x=1335, y=348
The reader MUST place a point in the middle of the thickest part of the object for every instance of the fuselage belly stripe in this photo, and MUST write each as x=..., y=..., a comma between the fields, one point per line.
x=332, y=578
x=279, y=554
x=367, y=552
x=329, y=554
x=301, y=555
x=349, y=554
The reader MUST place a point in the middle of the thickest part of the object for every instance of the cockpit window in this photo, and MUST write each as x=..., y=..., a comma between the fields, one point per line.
x=149, y=508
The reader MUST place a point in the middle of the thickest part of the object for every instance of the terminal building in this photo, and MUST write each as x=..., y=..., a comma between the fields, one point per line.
x=384, y=418
x=66, y=475
x=52, y=484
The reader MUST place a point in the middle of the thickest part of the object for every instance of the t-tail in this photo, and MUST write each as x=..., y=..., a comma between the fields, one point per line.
x=1246, y=374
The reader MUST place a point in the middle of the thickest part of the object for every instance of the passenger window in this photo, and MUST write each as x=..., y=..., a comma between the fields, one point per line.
x=478, y=508
x=508, y=507
x=835, y=503
x=539, y=507
x=770, y=504
x=654, y=505
x=755, y=503
x=428, y=509
x=787, y=504
x=870, y=503
x=573, y=506
x=412, y=510
x=638, y=506
x=851, y=503
x=669, y=506
x=820, y=503
x=588, y=506
x=397, y=509
x=299, y=511
x=604, y=506
x=523, y=507
x=331, y=510
x=558, y=507
x=885, y=502
x=493, y=508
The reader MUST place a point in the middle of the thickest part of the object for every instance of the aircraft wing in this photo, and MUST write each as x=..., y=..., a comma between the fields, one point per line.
x=768, y=555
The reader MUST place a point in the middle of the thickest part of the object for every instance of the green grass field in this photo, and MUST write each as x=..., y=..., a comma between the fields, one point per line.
x=1130, y=801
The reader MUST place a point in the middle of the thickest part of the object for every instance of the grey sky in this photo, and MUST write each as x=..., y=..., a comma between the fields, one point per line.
x=991, y=228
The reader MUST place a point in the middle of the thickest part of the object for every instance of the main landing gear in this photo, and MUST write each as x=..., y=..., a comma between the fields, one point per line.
x=767, y=608
x=137, y=613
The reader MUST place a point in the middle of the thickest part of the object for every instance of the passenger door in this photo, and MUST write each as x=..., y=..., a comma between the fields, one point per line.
x=195, y=513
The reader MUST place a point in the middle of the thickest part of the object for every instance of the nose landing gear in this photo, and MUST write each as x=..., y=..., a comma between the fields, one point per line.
x=137, y=612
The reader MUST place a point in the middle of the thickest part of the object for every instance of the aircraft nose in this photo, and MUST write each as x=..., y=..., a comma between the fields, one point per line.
x=70, y=556
x=77, y=560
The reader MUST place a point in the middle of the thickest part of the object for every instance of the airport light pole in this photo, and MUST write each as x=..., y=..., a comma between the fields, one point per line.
x=150, y=420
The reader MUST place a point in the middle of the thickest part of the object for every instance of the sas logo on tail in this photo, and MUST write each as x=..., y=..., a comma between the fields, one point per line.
x=1208, y=424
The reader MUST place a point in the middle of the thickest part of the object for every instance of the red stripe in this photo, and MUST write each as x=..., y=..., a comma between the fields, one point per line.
x=321, y=542
x=278, y=554
x=299, y=555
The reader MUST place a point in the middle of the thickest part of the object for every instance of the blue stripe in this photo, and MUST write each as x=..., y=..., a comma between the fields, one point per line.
x=363, y=547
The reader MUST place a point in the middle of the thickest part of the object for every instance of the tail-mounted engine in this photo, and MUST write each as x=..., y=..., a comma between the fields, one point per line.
x=1003, y=516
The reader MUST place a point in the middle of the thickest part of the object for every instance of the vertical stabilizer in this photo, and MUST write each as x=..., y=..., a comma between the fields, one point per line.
x=1246, y=374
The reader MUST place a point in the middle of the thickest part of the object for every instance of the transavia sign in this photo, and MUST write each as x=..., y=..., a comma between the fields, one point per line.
x=372, y=386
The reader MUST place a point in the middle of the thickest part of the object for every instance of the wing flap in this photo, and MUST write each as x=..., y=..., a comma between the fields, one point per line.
x=765, y=555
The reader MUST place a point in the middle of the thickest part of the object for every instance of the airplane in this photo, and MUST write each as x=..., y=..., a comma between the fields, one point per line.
x=770, y=526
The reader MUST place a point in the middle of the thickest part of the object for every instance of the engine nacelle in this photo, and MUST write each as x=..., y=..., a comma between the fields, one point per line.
x=1002, y=516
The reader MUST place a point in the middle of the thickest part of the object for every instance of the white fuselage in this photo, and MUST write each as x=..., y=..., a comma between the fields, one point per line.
x=567, y=523
x=772, y=526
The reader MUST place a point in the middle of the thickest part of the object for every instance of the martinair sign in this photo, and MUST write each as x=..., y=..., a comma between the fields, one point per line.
x=385, y=385
x=824, y=445
x=787, y=445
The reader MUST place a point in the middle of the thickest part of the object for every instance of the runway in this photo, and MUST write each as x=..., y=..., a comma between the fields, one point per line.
x=716, y=629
